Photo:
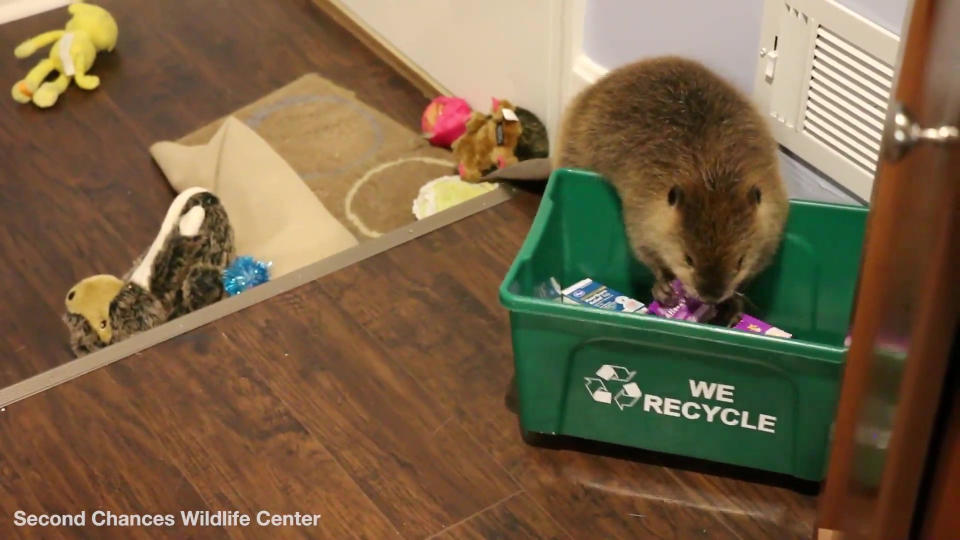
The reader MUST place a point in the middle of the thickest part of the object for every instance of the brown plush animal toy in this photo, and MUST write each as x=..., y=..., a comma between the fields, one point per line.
x=181, y=272
x=489, y=142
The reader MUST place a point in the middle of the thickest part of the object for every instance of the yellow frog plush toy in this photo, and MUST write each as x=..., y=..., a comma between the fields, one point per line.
x=90, y=30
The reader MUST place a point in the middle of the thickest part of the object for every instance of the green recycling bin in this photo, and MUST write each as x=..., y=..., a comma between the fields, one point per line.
x=678, y=387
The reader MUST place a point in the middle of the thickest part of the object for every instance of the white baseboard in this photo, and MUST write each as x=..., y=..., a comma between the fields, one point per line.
x=12, y=10
x=583, y=73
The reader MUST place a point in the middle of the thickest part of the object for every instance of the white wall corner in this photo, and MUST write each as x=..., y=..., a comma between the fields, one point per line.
x=577, y=70
x=584, y=73
x=557, y=38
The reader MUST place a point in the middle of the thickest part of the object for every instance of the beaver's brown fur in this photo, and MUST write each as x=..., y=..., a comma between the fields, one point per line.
x=695, y=167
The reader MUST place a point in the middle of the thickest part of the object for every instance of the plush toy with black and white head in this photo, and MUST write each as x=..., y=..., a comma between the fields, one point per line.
x=180, y=272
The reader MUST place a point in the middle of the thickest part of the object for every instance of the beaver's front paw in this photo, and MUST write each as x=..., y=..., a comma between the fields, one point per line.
x=664, y=294
x=729, y=311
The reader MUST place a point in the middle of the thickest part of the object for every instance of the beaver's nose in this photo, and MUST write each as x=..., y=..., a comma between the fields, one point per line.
x=710, y=292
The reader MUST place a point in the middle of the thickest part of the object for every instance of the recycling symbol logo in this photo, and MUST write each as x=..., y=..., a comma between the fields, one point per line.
x=614, y=384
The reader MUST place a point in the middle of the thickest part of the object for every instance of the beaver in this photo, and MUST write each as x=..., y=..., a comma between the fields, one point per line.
x=696, y=169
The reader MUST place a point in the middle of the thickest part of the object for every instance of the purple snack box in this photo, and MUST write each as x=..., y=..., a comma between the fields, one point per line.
x=749, y=323
x=692, y=309
x=688, y=309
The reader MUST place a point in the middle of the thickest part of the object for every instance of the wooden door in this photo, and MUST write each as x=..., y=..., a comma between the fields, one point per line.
x=939, y=516
x=906, y=312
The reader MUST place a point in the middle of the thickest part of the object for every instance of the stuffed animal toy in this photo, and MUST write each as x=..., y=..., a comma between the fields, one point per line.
x=534, y=142
x=489, y=142
x=182, y=271
x=444, y=120
x=90, y=30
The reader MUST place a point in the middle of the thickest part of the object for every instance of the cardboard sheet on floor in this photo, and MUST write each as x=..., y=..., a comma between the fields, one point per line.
x=274, y=215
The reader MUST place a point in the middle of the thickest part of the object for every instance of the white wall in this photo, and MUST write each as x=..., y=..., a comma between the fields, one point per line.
x=889, y=14
x=723, y=35
x=478, y=49
x=11, y=10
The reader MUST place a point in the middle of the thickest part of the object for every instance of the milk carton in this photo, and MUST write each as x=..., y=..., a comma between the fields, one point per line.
x=588, y=292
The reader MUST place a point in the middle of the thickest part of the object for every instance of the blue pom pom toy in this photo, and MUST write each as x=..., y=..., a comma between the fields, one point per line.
x=244, y=273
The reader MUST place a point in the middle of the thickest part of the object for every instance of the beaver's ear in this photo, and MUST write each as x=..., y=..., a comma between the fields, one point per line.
x=675, y=196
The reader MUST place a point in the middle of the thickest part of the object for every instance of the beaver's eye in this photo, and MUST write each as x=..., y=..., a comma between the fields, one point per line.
x=103, y=324
x=673, y=196
x=740, y=263
x=71, y=295
x=688, y=259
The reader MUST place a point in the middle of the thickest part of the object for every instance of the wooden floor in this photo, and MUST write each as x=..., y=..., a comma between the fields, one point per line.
x=373, y=396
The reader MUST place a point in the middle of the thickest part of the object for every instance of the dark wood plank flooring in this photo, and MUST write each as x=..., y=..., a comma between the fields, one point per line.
x=387, y=417
x=373, y=396
x=79, y=193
